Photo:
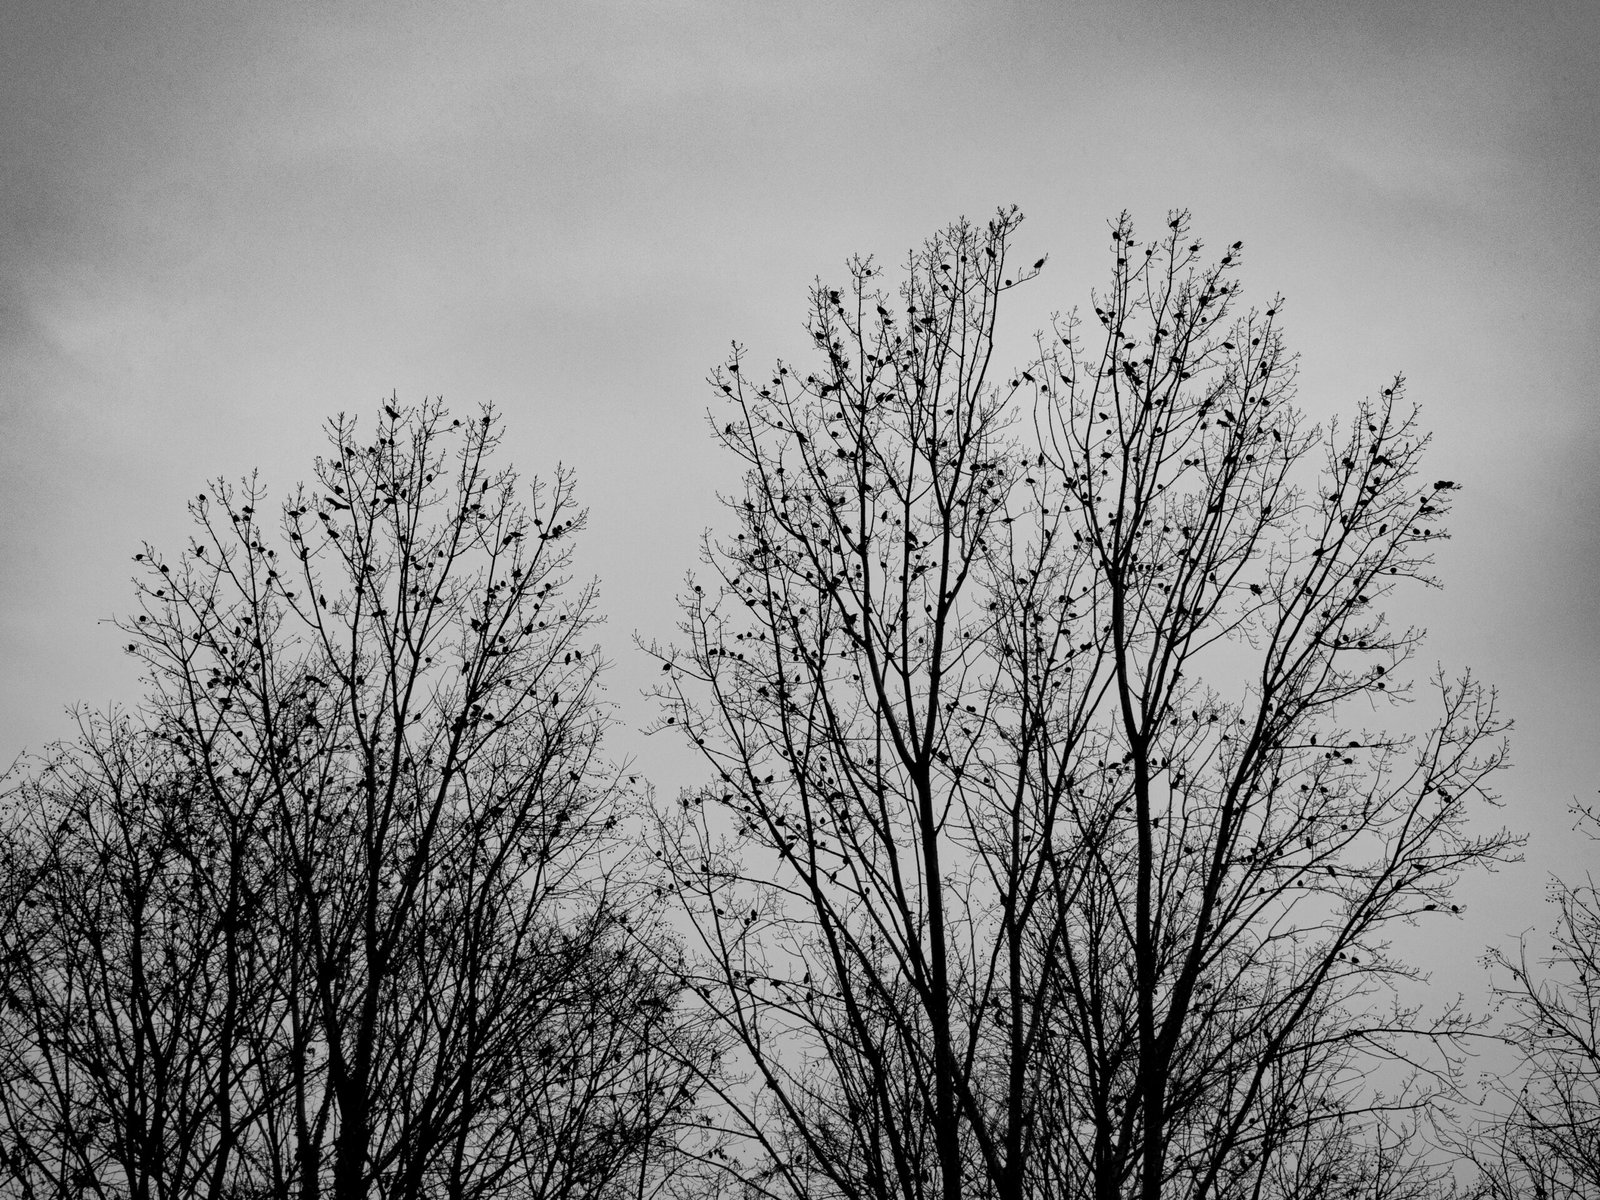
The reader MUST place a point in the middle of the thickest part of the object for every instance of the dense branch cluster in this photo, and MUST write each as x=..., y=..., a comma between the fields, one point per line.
x=338, y=909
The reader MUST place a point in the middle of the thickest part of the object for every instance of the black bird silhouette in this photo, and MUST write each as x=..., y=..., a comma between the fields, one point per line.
x=390, y=409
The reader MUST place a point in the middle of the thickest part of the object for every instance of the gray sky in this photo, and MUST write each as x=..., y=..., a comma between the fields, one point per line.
x=222, y=222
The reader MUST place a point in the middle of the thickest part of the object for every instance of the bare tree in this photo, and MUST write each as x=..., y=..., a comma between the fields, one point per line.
x=389, y=727
x=1546, y=1142
x=995, y=894
x=135, y=980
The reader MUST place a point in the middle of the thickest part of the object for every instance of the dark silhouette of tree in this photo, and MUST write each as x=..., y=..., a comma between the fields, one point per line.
x=343, y=909
x=136, y=981
x=994, y=892
x=1546, y=1142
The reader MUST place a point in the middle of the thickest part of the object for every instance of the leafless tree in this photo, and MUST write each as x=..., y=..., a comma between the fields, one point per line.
x=374, y=746
x=1546, y=1141
x=995, y=894
x=136, y=980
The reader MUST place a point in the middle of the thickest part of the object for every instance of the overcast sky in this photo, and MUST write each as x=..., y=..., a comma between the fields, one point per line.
x=222, y=222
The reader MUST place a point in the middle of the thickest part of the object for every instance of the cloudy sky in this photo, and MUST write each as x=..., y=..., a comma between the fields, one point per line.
x=222, y=222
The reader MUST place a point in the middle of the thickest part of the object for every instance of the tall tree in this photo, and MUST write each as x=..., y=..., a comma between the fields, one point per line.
x=366, y=821
x=995, y=893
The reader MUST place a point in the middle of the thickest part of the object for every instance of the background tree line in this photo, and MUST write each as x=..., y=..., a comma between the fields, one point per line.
x=1065, y=790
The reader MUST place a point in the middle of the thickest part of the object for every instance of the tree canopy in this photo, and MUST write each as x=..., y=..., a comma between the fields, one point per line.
x=1063, y=791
